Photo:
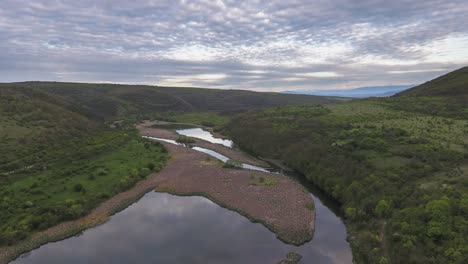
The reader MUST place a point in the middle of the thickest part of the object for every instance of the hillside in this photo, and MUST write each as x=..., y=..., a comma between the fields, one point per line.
x=451, y=84
x=57, y=164
x=445, y=96
x=31, y=121
x=107, y=101
x=398, y=166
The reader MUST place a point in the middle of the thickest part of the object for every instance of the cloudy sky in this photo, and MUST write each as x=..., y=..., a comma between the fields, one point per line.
x=260, y=45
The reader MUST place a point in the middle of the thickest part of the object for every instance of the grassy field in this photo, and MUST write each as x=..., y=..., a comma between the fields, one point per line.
x=400, y=172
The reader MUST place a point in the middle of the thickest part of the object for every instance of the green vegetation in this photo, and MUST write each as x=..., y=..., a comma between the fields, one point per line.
x=397, y=165
x=185, y=140
x=310, y=206
x=232, y=164
x=263, y=180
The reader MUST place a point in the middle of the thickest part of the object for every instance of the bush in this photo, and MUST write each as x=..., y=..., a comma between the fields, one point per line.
x=232, y=164
x=150, y=166
x=185, y=140
x=78, y=187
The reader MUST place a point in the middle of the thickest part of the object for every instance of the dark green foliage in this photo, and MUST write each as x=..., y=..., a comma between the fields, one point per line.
x=78, y=187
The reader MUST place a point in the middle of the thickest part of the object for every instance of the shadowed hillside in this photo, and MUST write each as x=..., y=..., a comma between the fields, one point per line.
x=105, y=101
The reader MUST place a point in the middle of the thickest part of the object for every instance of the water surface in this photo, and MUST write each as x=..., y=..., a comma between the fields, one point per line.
x=205, y=135
x=163, y=228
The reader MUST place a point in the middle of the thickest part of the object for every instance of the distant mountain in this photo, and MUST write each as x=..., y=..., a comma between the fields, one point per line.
x=452, y=84
x=361, y=92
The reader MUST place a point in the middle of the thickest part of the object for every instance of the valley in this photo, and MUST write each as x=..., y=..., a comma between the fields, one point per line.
x=392, y=170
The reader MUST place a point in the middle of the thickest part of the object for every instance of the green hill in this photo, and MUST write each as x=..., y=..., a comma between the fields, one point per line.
x=445, y=96
x=451, y=84
x=32, y=121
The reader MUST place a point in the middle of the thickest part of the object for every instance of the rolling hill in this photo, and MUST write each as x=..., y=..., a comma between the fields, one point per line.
x=107, y=101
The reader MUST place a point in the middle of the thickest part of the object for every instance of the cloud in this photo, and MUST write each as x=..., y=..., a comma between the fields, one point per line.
x=260, y=45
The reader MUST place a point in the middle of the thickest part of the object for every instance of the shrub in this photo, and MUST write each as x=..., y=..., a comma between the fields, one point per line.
x=231, y=163
x=78, y=187
x=185, y=140
x=150, y=166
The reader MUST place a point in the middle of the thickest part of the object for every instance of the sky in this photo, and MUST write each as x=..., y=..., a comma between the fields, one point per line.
x=271, y=45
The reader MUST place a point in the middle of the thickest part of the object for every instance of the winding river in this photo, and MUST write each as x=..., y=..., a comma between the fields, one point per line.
x=163, y=228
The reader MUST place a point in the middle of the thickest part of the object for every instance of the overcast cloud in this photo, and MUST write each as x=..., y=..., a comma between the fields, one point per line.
x=261, y=45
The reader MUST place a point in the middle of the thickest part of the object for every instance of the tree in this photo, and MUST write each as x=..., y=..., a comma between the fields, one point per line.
x=383, y=209
x=438, y=212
